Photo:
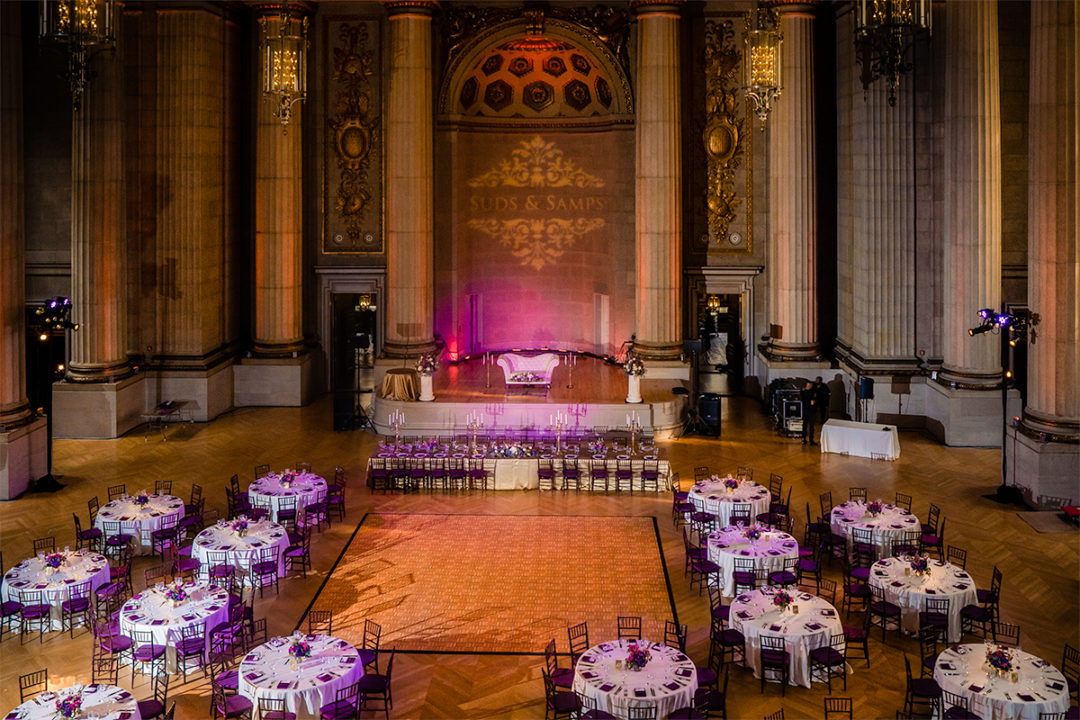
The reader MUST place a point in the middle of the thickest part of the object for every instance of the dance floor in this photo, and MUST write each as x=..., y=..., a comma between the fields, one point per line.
x=503, y=584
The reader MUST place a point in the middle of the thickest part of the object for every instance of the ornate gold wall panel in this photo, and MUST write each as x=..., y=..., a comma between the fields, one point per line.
x=353, y=146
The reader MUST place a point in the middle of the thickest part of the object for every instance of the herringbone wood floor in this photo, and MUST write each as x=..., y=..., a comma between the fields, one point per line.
x=1042, y=579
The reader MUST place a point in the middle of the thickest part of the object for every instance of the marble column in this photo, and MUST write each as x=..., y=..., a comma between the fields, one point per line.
x=1046, y=442
x=972, y=268
x=658, y=187
x=278, y=223
x=410, y=170
x=793, y=194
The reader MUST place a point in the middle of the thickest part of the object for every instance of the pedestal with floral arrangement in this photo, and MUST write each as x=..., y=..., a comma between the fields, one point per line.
x=753, y=533
x=634, y=369
x=299, y=648
x=781, y=599
x=240, y=526
x=1000, y=660
x=425, y=366
x=920, y=565
x=70, y=705
x=874, y=508
x=637, y=657
x=176, y=594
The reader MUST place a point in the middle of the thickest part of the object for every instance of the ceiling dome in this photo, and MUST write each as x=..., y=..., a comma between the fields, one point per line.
x=535, y=76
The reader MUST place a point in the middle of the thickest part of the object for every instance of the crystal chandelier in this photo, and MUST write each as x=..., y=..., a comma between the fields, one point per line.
x=762, y=60
x=885, y=31
x=285, y=61
x=85, y=27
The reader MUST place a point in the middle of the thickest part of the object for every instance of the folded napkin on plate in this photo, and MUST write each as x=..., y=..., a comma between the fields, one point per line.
x=123, y=716
x=640, y=692
x=774, y=552
x=672, y=686
x=743, y=614
x=931, y=591
x=285, y=685
x=1054, y=685
x=588, y=675
x=1025, y=697
x=946, y=666
x=813, y=626
x=828, y=612
x=349, y=660
x=252, y=677
x=679, y=657
x=684, y=672
x=881, y=573
x=326, y=677
x=775, y=628
x=587, y=658
x=607, y=687
x=975, y=688
x=960, y=586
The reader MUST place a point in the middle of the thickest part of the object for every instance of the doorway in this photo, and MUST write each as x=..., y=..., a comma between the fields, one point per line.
x=723, y=351
x=354, y=329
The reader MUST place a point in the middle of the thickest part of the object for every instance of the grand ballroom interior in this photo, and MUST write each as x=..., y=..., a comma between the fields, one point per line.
x=382, y=350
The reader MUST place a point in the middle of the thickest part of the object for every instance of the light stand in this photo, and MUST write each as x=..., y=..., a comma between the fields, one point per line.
x=54, y=315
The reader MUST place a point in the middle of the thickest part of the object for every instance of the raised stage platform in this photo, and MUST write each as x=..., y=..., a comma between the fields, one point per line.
x=597, y=399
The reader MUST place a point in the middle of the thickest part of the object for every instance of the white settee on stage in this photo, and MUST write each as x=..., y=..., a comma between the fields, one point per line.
x=524, y=370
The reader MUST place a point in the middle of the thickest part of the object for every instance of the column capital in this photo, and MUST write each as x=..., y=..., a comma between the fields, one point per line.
x=265, y=8
x=791, y=7
x=656, y=7
x=410, y=7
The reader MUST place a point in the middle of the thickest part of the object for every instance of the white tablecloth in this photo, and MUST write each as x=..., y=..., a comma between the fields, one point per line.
x=754, y=614
x=207, y=606
x=240, y=551
x=730, y=543
x=266, y=672
x=887, y=527
x=858, y=438
x=718, y=500
x=79, y=566
x=102, y=702
x=306, y=487
x=667, y=682
x=911, y=591
x=1040, y=687
x=140, y=520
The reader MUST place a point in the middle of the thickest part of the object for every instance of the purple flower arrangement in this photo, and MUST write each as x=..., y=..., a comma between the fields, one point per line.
x=527, y=376
x=597, y=447
x=240, y=527
x=141, y=498
x=427, y=447
x=299, y=648
x=634, y=366
x=920, y=564
x=287, y=479
x=426, y=364
x=54, y=560
x=69, y=706
x=731, y=483
x=176, y=593
x=752, y=533
x=511, y=450
x=781, y=599
x=637, y=657
x=874, y=508
x=999, y=659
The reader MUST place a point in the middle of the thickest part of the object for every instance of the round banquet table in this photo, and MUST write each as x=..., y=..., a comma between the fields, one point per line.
x=102, y=702
x=718, y=501
x=668, y=681
x=78, y=567
x=268, y=491
x=1040, y=687
x=266, y=672
x=768, y=552
x=400, y=384
x=753, y=614
x=909, y=591
x=887, y=527
x=240, y=551
x=140, y=520
x=207, y=605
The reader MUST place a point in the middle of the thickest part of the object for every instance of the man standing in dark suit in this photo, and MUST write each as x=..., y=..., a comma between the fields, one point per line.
x=809, y=396
x=822, y=400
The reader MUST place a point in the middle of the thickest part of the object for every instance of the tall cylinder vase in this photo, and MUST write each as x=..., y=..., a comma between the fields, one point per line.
x=427, y=394
x=633, y=390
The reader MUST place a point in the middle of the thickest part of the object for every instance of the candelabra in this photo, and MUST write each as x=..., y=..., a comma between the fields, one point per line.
x=397, y=419
x=494, y=410
x=571, y=363
x=474, y=422
x=578, y=411
x=558, y=423
x=633, y=424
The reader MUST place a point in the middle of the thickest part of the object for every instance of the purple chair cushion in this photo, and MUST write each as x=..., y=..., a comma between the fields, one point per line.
x=150, y=708
x=236, y=705
x=10, y=607
x=826, y=656
x=338, y=709
x=372, y=683
x=366, y=656
x=925, y=687
x=76, y=605
x=145, y=653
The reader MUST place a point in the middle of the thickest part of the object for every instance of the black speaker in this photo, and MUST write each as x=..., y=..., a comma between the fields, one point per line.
x=709, y=411
x=692, y=347
x=866, y=388
x=344, y=411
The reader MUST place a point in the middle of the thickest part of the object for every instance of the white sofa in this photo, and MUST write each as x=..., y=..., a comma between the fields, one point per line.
x=525, y=370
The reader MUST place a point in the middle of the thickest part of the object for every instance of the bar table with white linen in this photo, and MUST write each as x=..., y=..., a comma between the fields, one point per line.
x=668, y=681
x=269, y=671
x=271, y=489
x=755, y=614
x=717, y=498
x=1039, y=688
x=862, y=439
x=54, y=583
x=903, y=587
x=152, y=611
x=241, y=550
x=887, y=527
x=730, y=544
x=140, y=520
x=101, y=702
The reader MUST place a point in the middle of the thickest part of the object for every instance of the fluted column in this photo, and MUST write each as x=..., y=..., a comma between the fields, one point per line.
x=278, y=223
x=410, y=290
x=972, y=268
x=1053, y=392
x=658, y=187
x=14, y=408
x=98, y=352
x=793, y=193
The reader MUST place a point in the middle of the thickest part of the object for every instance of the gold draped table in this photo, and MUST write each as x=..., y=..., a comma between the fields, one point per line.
x=400, y=384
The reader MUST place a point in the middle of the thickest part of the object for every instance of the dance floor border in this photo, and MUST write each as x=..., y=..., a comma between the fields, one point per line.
x=345, y=549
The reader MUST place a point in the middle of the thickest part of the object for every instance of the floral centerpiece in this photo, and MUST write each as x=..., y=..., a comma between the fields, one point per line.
x=176, y=593
x=731, y=483
x=634, y=366
x=637, y=657
x=511, y=450
x=54, y=560
x=426, y=364
x=527, y=376
x=752, y=533
x=299, y=647
x=598, y=447
x=240, y=527
x=287, y=479
x=781, y=599
x=141, y=498
x=427, y=447
x=1000, y=659
x=69, y=706
x=920, y=565
x=874, y=508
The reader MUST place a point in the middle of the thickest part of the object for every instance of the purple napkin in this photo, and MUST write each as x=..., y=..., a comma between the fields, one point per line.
x=684, y=672
x=326, y=677
x=1054, y=685
x=639, y=692
x=672, y=686
x=975, y=688
x=250, y=677
x=813, y=626
x=607, y=687
x=897, y=583
x=588, y=675
x=1025, y=698
x=284, y=685
x=828, y=612
x=931, y=591
x=775, y=628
